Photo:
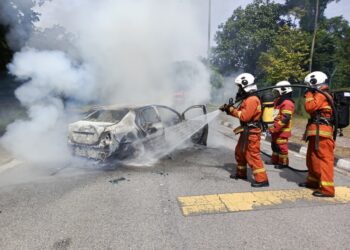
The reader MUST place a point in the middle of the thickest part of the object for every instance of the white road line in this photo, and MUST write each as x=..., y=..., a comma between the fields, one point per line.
x=298, y=155
x=9, y=165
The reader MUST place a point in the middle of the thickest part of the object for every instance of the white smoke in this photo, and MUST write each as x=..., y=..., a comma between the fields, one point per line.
x=119, y=51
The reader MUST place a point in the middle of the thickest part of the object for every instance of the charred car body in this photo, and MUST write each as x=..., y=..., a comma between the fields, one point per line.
x=120, y=131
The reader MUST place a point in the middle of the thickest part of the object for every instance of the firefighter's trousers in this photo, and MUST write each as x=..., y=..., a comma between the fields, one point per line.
x=251, y=156
x=279, y=146
x=321, y=165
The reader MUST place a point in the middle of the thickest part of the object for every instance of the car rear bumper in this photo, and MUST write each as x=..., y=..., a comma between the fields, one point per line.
x=91, y=152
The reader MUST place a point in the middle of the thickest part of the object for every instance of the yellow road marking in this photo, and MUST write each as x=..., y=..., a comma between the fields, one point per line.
x=235, y=202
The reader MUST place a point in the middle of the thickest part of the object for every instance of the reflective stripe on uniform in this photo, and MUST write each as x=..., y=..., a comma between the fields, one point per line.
x=286, y=129
x=283, y=156
x=260, y=170
x=239, y=113
x=309, y=99
x=281, y=123
x=285, y=111
x=327, y=183
x=281, y=140
x=326, y=107
x=259, y=107
x=322, y=133
x=242, y=167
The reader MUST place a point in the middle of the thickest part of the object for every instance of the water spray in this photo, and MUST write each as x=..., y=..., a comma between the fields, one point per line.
x=175, y=137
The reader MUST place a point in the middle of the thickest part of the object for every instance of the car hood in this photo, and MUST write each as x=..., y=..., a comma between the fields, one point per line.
x=87, y=132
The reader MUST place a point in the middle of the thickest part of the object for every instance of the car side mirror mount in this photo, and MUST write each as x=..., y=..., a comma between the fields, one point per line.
x=150, y=128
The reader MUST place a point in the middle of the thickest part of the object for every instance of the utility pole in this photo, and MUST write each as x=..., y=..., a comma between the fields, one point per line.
x=314, y=36
x=209, y=28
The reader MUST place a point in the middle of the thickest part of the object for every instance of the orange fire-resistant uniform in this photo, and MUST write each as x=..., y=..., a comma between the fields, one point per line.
x=320, y=163
x=281, y=130
x=248, y=147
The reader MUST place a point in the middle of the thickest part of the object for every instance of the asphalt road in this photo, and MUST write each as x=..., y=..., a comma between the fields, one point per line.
x=136, y=207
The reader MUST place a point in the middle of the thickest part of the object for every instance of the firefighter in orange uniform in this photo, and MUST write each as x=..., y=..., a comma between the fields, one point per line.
x=282, y=126
x=248, y=147
x=319, y=134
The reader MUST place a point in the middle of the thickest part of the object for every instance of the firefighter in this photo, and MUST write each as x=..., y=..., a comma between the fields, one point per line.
x=248, y=147
x=319, y=134
x=282, y=126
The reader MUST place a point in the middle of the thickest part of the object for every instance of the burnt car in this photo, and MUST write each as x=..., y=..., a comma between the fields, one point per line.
x=120, y=131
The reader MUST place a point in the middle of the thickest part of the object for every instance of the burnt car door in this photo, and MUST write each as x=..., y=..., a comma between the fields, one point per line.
x=170, y=118
x=197, y=114
x=150, y=123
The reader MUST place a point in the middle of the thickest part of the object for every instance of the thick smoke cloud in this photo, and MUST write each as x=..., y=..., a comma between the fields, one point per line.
x=116, y=51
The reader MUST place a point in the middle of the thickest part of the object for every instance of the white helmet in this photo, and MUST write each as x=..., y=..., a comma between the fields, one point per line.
x=283, y=90
x=316, y=79
x=246, y=81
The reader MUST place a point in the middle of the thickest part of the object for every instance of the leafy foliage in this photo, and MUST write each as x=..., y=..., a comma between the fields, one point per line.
x=332, y=51
x=216, y=79
x=5, y=52
x=308, y=11
x=246, y=34
x=273, y=42
x=17, y=20
x=288, y=57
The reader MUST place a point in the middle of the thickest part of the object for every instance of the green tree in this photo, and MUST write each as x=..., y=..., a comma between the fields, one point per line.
x=341, y=77
x=308, y=11
x=5, y=51
x=332, y=51
x=288, y=57
x=246, y=34
x=17, y=20
x=216, y=79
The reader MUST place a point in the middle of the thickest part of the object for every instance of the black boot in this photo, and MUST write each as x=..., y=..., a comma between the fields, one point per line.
x=280, y=166
x=319, y=194
x=236, y=177
x=303, y=185
x=260, y=184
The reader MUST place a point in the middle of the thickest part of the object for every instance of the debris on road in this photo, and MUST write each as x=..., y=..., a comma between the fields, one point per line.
x=62, y=244
x=161, y=173
x=116, y=181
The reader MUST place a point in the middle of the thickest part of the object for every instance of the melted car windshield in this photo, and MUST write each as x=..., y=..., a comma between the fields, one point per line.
x=107, y=115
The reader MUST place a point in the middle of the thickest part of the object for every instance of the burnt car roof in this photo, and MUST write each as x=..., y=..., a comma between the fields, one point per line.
x=130, y=107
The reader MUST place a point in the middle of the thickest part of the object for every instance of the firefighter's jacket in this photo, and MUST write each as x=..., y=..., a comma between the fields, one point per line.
x=249, y=112
x=283, y=112
x=317, y=104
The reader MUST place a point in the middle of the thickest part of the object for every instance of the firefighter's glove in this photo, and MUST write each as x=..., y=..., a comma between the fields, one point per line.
x=272, y=129
x=223, y=107
x=227, y=108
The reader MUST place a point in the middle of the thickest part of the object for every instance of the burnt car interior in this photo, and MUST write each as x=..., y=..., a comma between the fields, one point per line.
x=149, y=121
x=112, y=116
x=153, y=120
